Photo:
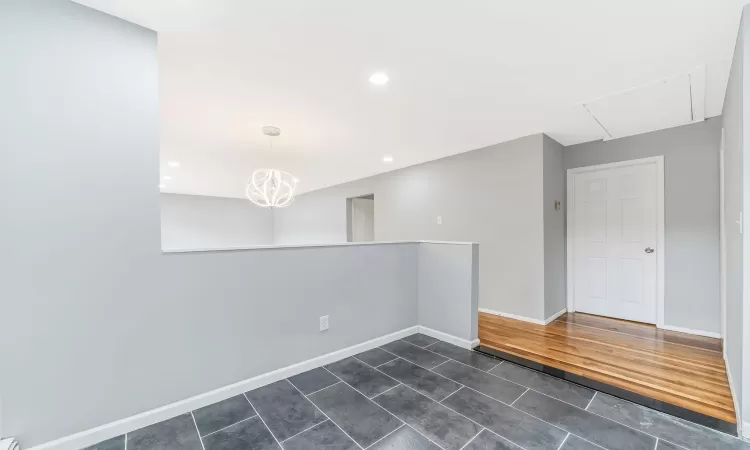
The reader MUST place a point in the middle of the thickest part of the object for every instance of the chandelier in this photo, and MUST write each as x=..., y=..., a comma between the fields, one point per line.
x=271, y=188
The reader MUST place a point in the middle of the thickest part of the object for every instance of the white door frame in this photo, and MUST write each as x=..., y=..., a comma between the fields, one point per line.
x=570, y=235
x=722, y=244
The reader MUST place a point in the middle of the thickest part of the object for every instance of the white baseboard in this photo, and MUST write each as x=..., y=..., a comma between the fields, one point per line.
x=710, y=334
x=555, y=316
x=512, y=316
x=101, y=433
x=449, y=338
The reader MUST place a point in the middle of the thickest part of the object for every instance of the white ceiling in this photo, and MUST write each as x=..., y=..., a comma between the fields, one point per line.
x=463, y=75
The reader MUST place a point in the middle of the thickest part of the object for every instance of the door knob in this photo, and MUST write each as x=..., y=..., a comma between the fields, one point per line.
x=649, y=250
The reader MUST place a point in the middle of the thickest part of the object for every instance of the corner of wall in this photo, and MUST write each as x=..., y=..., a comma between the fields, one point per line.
x=553, y=179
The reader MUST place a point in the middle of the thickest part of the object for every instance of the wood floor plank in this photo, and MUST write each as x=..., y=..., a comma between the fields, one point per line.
x=629, y=364
x=707, y=368
x=636, y=329
x=681, y=369
x=647, y=347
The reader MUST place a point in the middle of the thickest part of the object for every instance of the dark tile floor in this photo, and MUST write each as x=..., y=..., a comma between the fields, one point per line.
x=422, y=394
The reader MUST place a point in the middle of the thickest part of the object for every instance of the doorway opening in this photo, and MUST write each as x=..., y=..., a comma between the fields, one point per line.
x=360, y=218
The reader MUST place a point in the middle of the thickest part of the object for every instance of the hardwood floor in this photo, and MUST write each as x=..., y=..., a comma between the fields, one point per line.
x=677, y=368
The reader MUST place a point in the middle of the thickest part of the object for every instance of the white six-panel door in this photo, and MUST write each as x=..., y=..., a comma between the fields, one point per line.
x=614, y=241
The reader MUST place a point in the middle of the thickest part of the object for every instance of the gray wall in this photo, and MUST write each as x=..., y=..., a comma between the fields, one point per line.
x=554, y=228
x=490, y=196
x=691, y=190
x=104, y=325
x=448, y=295
x=735, y=126
x=194, y=222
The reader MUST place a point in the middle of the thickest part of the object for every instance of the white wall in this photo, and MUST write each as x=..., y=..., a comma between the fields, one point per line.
x=737, y=198
x=103, y=324
x=691, y=197
x=447, y=272
x=491, y=196
x=195, y=222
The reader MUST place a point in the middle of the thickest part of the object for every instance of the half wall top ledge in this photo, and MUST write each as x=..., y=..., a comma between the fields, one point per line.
x=333, y=244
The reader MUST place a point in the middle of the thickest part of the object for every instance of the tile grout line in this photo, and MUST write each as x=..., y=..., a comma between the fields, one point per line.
x=519, y=410
x=440, y=363
x=388, y=434
x=657, y=439
x=431, y=344
x=377, y=370
x=416, y=345
x=676, y=445
x=504, y=438
x=326, y=415
x=415, y=430
x=563, y=442
x=496, y=366
x=492, y=398
x=448, y=358
x=527, y=389
x=306, y=429
x=469, y=441
x=315, y=392
x=264, y=422
x=511, y=405
x=421, y=367
x=553, y=398
x=379, y=406
x=446, y=397
x=394, y=387
x=411, y=362
x=595, y=445
x=197, y=430
x=661, y=414
x=590, y=401
x=375, y=367
x=468, y=387
x=473, y=421
x=541, y=393
x=514, y=401
x=229, y=426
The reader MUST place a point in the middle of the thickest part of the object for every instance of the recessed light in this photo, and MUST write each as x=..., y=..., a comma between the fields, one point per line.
x=174, y=164
x=379, y=78
x=387, y=159
x=167, y=178
x=162, y=186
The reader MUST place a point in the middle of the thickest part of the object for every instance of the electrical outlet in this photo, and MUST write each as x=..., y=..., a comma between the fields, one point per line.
x=323, y=323
x=439, y=220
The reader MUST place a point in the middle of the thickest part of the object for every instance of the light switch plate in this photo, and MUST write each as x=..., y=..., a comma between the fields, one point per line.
x=323, y=323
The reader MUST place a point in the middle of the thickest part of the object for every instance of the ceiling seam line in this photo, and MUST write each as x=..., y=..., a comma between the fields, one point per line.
x=597, y=121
